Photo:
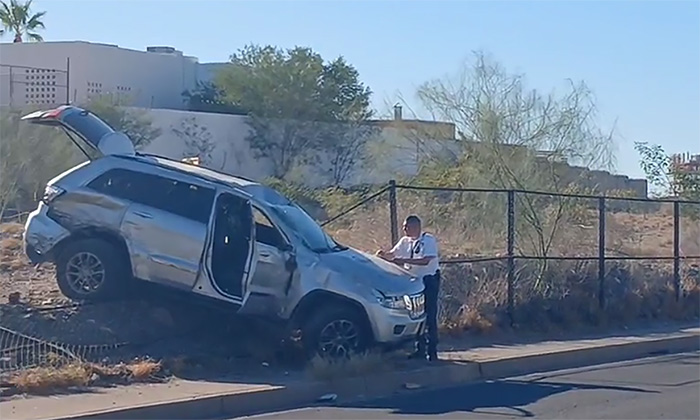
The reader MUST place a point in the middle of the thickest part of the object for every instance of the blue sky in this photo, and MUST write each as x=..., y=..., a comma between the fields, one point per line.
x=641, y=58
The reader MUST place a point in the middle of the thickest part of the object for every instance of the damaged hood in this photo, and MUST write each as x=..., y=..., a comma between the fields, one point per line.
x=372, y=271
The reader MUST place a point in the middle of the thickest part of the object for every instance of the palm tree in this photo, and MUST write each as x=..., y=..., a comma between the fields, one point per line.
x=17, y=18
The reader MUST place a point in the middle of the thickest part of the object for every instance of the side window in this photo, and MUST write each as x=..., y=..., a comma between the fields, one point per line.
x=183, y=199
x=118, y=183
x=265, y=231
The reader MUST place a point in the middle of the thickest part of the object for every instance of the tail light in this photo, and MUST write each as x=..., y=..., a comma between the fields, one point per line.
x=51, y=192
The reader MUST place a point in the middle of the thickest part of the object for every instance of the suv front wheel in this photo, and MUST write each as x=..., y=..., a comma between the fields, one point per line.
x=336, y=333
x=90, y=269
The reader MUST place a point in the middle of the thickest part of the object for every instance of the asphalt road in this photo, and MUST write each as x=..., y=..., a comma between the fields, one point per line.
x=665, y=387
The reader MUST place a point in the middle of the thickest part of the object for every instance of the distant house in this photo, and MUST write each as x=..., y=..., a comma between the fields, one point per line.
x=686, y=163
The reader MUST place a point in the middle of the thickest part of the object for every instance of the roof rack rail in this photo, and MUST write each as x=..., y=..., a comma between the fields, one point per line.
x=191, y=164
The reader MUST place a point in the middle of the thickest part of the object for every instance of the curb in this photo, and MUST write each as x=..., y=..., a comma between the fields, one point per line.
x=275, y=398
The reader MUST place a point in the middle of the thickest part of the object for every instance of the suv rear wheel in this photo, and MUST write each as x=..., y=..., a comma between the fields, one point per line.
x=336, y=333
x=91, y=269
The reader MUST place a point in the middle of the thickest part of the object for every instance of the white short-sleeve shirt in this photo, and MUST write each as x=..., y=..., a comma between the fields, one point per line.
x=424, y=246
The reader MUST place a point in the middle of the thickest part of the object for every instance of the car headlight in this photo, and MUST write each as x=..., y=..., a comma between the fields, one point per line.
x=393, y=302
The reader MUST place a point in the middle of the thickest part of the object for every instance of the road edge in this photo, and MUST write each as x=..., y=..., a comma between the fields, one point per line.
x=448, y=374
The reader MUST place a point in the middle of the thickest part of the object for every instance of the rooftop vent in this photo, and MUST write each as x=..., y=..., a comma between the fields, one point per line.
x=161, y=50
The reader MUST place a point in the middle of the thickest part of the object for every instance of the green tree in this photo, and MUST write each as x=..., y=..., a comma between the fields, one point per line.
x=665, y=175
x=135, y=124
x=288, y=95
x=208, y=97
x=18, y=19
x=510, y=136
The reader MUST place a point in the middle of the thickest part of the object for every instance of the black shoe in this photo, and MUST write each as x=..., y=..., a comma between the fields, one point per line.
x=433, y=357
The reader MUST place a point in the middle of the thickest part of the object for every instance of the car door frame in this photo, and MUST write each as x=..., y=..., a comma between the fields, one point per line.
x=140, y=210
x=259, y=303
x=206, y=284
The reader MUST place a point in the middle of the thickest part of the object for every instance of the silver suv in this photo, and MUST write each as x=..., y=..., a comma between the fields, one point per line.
x=124, y=216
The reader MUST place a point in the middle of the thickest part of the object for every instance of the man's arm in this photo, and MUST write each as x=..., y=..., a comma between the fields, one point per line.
x=429, y=253
x=413, y=261
x=391, y=254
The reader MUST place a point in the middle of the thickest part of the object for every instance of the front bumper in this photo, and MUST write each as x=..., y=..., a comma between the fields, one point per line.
x=41, y=234
x=394, y=326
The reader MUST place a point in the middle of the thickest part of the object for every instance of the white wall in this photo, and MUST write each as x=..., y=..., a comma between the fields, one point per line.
x=392, y=153
x=228, y=132
x=150, y=79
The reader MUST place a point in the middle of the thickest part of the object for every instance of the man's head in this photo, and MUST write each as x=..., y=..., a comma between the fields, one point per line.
x=412, y=226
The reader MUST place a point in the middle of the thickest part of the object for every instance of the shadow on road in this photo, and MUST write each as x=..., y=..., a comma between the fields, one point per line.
x=509, y=394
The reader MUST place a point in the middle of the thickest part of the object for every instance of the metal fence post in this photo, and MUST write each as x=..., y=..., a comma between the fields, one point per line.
x=12, y=88
x=393, y=215
x=601, y=252
x=677, y=249
x=511, y=256
x=67, y=80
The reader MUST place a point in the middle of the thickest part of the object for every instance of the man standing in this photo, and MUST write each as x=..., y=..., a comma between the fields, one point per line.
x=417, y=251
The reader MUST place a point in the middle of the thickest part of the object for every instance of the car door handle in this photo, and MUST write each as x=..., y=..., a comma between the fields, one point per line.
x=264, y=254
x=143, y=214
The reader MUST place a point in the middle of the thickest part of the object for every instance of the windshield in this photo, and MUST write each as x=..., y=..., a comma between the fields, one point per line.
x=310, y=232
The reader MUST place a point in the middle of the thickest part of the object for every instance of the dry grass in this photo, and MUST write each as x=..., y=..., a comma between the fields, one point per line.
x=359, y=365
x=11, y=229
x=48, y=379
x=144, y=370
x=11, y=244
x=466, y=320
x=480, y=230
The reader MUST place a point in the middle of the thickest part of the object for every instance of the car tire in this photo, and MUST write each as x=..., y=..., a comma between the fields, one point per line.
x=91, y=270
x=349, y=328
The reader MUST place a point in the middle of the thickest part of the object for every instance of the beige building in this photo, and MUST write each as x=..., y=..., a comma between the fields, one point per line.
x=40, y=73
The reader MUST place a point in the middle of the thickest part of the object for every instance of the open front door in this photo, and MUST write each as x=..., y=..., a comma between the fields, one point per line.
x=231, y=247
x=94, y=137
x=275, y=264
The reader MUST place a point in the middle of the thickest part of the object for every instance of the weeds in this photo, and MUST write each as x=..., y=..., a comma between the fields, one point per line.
x=357, y=365
x=47, y=379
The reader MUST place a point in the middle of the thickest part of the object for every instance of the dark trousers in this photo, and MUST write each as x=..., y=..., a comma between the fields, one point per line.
x=429, y=338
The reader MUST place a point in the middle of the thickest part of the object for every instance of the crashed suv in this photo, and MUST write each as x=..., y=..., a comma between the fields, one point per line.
x=124, y=216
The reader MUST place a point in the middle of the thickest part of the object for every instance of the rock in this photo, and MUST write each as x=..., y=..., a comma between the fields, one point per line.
x=95, y=377
x=14, y=298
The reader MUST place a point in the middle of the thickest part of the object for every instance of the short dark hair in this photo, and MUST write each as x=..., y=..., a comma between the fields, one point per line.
x=413, y=220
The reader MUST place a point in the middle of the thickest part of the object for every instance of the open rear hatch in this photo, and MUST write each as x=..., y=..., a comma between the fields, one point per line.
x=94, y=137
